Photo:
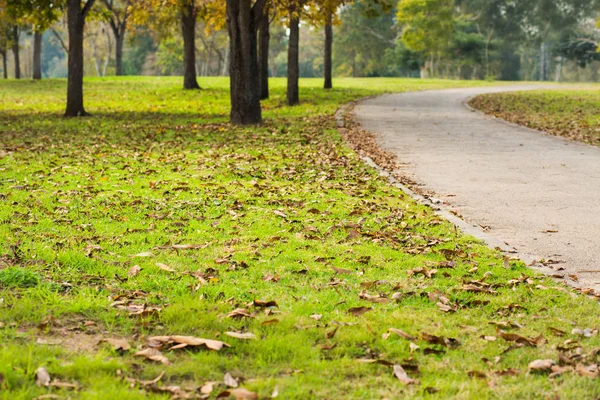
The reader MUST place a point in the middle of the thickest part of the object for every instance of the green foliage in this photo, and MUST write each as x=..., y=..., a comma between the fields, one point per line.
x=427, y=25
x=15, y=277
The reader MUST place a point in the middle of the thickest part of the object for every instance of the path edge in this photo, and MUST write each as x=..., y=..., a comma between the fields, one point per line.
x=445, y=212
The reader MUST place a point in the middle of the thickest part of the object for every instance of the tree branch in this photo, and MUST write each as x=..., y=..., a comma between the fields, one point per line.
x=86, y=8
x=61, y=41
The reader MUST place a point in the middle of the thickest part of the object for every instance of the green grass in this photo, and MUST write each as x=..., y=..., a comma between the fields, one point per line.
x=274, y=209
x=571, y=113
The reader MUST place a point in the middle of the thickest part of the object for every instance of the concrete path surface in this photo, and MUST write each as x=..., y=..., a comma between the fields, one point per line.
x=538, y=193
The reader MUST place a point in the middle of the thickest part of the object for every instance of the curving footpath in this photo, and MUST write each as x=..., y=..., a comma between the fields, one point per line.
x=538, y=193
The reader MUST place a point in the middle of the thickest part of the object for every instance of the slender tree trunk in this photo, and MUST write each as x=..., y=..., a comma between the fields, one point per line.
x=242, y=26
x=119, y=39
x=37, y=55
x=264, y=37
x=188, y=30
x=225, y=62
x=15, y=49
x=293, y=68
x=4, y=66
x=76, y=22
x=327, y=65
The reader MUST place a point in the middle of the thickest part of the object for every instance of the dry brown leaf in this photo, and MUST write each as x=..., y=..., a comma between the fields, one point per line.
x=153, y=354
x=341, y=270
x=513, y=337
x=316, y=317
x=238, y=394
x=208, y=387
x=240, y=335
x=117, y=344
x=402, y=334
x=428, y=273
x=280, y=213
x=450, y=343
x=262, y=303
x=240, y=313
x=42, y=377
x=402, y=376
x=270, y=321
x=358, y=311
x=478, y=289
x=591, y=371
x=541, y=365
x=184, y=341
x=143, y=254
x=230, y=381
x=133, y=271
x=165, y=267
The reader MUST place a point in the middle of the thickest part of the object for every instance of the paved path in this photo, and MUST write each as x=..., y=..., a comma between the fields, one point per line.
x=538, y=193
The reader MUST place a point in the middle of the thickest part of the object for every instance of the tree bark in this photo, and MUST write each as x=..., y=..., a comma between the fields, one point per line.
x=188, y=30
x=242, y=26
x=119, y=54
x=15, y=50
x=327, y=64
x=4, y=66
x=264, y=38
x=293, y=68
x=37, y=55
x=76, y=22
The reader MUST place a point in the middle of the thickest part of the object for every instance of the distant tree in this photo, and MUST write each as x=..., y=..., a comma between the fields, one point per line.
x=117, y=16
x=5, y=38
x=427, y=27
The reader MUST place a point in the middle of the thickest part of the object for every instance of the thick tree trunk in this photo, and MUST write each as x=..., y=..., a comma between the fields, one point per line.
x=4, y=66
x=15, y=50
x=76, y=21
x=188, y=30
x=293, y=68
x=37, y=55
x=264, y=38
x=242, y=24
x=119, y=39
x=327, y=65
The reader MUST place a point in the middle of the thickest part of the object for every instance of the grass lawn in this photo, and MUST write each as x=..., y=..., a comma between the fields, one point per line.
x=573, y=114
x=156, y=218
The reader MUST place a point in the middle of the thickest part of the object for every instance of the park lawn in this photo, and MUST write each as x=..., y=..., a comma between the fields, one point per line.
x=156, y=217
x=571, y=113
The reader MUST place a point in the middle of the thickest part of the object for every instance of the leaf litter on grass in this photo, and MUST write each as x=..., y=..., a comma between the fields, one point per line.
x=277, y=237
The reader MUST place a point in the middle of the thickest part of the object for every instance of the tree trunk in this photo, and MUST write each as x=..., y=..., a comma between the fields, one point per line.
x=263, y=55
x=119, y=39
x=327, y=73
x=76, y=21
x=37, y=55
x=188, y=30
x=4, y=66
x=15, y=49
x=242, y=24
x=293, y=68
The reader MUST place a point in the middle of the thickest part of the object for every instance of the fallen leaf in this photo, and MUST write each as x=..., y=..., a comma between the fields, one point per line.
x=165, y=267
x=513, y=337
x=133, y=271
x=280, y=213
x=341, y=270
x=270, y=321
x=402, y=376
x=238, y=394
x=153, y=354
x=143, y=254
x=450, y=343
x=184, y=341
x=402, y=334
x=42, y=377
x=261, y=303
x=230, y=380
x=240, y=313
x=541, y=365
x=118, y=344
x=208, y=387
x=316, y=317
x=358, y=311
x=243, y=336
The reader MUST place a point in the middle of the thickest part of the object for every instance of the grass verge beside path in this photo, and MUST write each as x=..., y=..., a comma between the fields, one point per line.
x=573, y=114
x=156, y=218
